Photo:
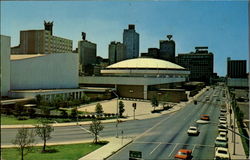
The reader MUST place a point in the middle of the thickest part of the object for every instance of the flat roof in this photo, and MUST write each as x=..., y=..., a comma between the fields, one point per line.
x=25, y=56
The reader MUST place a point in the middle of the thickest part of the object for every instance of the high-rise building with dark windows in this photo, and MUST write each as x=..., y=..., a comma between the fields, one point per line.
x=117, y=52
x=200, y=63
x=131, y=41
x=236, y=68
x=167, y=49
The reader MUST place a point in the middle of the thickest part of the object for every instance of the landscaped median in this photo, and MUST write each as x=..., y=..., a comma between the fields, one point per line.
x=54, y=152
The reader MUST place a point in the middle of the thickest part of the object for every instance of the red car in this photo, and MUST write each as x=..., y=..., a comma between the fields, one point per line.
x=184, y=154
x=204, y=117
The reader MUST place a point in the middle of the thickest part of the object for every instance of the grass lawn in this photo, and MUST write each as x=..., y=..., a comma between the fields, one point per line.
x=60, y=152
x=11, y=120
x=7, y=120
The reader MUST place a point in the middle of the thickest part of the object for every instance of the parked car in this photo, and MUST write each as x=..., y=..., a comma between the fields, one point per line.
x=222, y=114
x=223, y=134
x=205, y=117
x=223, y=110
x=222, y=130
x=221, y=142
x=184, y=154
x=193, y=131
x=221, y=153
x=223, y=118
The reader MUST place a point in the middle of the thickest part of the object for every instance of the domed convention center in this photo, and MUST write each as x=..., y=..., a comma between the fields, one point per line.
x=141, y=78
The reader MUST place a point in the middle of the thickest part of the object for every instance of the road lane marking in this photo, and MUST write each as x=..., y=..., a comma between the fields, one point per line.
x=193, y=148
x=196, y=145
x=173, y=149
x=155, y=148
x=171, y=114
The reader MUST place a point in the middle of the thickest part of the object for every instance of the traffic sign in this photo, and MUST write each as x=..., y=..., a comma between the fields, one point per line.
x=135, y=154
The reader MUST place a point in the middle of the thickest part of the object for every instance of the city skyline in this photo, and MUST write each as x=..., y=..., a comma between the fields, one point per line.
x=220, y=25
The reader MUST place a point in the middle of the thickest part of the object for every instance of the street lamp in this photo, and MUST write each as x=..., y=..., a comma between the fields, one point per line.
x=116, y=113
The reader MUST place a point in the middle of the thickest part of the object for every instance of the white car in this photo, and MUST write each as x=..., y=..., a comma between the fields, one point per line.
x=222, y=122
x=221, y=142
x=221, y=153
x=222, y=130
x=223, y=134
x=223, y=118
x=223, y=110
x=193, y=130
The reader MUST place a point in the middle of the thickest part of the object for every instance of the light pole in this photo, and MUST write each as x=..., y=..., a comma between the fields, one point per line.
x=116, y=114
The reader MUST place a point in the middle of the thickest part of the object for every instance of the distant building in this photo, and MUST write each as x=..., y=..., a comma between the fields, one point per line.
x=152, y=53
x=42, y=42
x=200, y=63
x=5, y=65
x=131, y=40
x=237, y=73
x=117, y=52
x=236, y=68
x=87, y=55
x=167, y=49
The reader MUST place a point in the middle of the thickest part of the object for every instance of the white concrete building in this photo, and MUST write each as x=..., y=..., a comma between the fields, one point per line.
x=136, y=77
x=5, y=65
x=44, y=71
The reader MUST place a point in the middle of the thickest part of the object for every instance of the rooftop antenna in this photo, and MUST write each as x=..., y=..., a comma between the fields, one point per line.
x=169, y=37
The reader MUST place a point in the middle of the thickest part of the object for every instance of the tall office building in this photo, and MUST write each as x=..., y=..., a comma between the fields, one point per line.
x=131, y=41
x=167, y=49
x=200, y=63
x=117, y=52
x=87, y=54
x=42, y=42
x=236, y=68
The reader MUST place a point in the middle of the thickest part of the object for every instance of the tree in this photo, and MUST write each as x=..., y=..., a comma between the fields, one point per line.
x=64, y=114
x=38, y=99
x=95, y=128
x=19, y=110
x=24, y=141
x=44, y=130
x=121, y=108
x=154, y=102
x=98, y=109
x=74, y=112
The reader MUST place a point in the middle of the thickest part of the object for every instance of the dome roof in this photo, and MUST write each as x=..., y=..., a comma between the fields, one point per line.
x=145, y=63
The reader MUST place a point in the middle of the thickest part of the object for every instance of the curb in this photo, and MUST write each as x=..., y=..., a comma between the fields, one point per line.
x=114, y=152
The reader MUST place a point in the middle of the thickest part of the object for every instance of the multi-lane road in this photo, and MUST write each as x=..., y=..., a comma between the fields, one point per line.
x=156, y=138
x=166, y=137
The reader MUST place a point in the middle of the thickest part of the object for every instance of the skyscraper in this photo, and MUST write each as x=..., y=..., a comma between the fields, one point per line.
x=87, y=54
x=236, y=68
x=117, y=52
x=167, y=49
x=200, y=63
x=131, y=41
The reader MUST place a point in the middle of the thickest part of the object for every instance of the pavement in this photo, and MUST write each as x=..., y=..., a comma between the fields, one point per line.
x=235, y=148
x=116, y=144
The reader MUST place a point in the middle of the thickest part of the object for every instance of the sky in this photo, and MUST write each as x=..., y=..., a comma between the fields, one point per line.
x=221, y=25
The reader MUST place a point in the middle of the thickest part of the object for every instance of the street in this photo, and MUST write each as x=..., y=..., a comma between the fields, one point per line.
x=168, y=136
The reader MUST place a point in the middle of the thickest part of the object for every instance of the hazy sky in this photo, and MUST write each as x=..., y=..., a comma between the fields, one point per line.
x=220, y=25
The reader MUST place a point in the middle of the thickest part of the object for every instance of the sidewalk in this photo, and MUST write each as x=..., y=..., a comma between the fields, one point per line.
x=238, y=150
x=114, y=145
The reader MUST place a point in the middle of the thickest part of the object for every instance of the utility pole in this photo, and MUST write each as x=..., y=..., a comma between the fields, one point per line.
x=116, y=114
x=134, y=106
